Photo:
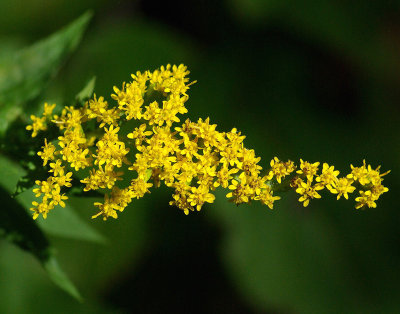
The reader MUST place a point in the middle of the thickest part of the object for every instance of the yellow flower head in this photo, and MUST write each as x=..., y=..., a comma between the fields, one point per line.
x=366, y=198
x=38, y=124
x=308, y=191
x=48, y=153
x=328, y=175
x=280, y=169
x=126, y=148
x=308, y=169
x=48, y=109
x=342, y=186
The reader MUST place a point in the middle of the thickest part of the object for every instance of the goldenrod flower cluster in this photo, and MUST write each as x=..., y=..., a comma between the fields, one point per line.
x=142, y=138
x=368, y=180
x=40, y=124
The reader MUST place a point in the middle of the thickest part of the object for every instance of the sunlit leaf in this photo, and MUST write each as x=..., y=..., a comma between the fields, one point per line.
x=24, y=75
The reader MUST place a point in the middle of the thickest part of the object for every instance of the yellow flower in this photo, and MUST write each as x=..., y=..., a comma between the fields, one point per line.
x=328, y=175
x=366, y=198
x=180, y=200
x=130, y=97
x=280, y=169
x=308, y=191
x=41, y=208
x=169, y=111
x=152, y=113
x=58, y=199
x=374, y=175
x=206, y=131
x=39, y=124
x=266, y=197
x=57, y=168
x=308, y=169
x=139, y=187
x=359, y=174
x=98, y=108
x=342, y=187
x=190, y=148
x=49, y=150
x=199, y=196
x=64, y=180
x=52, y=196
x=110, y=150
x=191, y=158
x=48, y=109
x=249, y=162
x=241, y=191
x=378, y=189
x=139, y=134
x=107, y=209
x=224, y=175
x=70, y=118
x=100, y=178
x=296, y=182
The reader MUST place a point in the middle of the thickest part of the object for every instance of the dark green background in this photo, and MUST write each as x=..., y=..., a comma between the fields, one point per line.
x=317, y=80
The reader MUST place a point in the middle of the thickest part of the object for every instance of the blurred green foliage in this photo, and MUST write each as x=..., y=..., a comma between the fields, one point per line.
x=301, y=79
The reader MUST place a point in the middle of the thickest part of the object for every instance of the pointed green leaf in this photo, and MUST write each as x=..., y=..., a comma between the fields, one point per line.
x=60, y=278
x=87, y=91
x=19, y=228
x=24, y=75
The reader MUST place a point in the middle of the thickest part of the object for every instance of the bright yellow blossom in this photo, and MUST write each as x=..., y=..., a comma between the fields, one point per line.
x=48, y=109
x=139, y=134
x=100, y=178
x=199, y=196
x=342, y=186
x=57, y=168
x=308, y=191
x=308, y=169
x=49, y=150
x=359, y=174
x=328, y=175
x=98, y=108
x=366, y=198
x=191, y=158
x=38, y=124
x=267, y=198
x=280, y=169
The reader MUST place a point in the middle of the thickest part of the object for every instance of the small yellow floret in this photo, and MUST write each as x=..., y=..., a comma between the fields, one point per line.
x=342, y=186
x=39, y=124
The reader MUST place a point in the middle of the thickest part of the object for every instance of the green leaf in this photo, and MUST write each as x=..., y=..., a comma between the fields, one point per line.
x=24, y=75
x=8, y=113
x=60, y=278
x=63, y=222
x=87, y=91
x=9, y=46
x=19, y=228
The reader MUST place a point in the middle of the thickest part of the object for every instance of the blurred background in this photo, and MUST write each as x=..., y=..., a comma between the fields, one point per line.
x=317, y=80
